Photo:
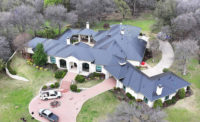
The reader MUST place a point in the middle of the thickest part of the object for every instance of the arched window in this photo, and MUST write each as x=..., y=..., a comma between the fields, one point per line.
x=85, y=67
x=63, y=63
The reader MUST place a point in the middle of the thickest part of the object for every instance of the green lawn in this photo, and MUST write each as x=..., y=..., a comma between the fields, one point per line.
x=187, y=113
x=88, y=84
x=17, y=94
x=97, y=108
x=145, y=21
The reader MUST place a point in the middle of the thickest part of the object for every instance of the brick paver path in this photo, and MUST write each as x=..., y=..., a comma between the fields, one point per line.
x=66, y=81
x=71, y=102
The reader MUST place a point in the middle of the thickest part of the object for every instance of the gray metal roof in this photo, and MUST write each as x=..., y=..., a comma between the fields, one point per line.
x=112, y=50
x=141, y=83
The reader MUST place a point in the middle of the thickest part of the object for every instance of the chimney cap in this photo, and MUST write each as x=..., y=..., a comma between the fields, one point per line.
x=160, y=86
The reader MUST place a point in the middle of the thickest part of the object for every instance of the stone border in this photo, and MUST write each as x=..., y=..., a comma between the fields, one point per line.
x=16, y=77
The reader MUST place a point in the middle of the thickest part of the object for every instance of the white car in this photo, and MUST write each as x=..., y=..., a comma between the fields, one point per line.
x=52, y=94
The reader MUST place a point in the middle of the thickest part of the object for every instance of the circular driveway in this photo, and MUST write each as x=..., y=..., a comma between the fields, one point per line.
x=71, y=102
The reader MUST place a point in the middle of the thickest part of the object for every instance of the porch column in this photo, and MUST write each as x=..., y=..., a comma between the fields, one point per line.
x=89, y=39
x=79, y=67
x=79, y=38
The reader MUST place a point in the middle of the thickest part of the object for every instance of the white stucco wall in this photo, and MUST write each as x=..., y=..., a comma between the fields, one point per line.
x=134, y=63
x=29, y=50
x=119, y=84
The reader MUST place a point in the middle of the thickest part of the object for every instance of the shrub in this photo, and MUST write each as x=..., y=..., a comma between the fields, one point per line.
x=169, y=102
x=39, y=56
x=73, y=87
x=173, y=99
x=130, y=96
x=52, y=86
x=181, y=93
x=165, y=70
x=60, y=74
x=158, y=103
x=78, y=90
x=139, y=100
x=80, y=78
x=41, y=68
x=57, y=84
x=44, y=87
x=2, y=65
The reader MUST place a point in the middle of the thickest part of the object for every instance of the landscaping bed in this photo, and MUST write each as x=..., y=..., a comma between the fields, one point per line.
x=82, y=82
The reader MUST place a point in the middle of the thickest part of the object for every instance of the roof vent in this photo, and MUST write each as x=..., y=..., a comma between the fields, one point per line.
x=159, y=89
x=122, y=63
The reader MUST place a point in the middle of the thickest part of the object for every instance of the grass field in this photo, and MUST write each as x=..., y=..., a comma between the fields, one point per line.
x=188, y=109
x=88, y=84
x=16, y=95
x=97, y=108
x=145, y=21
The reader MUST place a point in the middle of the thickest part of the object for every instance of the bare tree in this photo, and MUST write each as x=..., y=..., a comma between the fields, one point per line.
x=92, y=10
x=38, y=5
x=136, y=113
x=183, y=24
x=5, y=50
x=184, y=50
x=57, y=15
x=37, y=22
x=20, y=40
x=154, y=47
x=22, y=17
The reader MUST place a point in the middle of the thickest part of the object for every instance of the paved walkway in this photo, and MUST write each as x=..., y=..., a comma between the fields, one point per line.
x=166, y=61
x=66, y=82
x=71, y=102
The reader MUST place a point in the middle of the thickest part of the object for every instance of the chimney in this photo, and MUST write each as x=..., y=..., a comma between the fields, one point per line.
x=68, y=41
x=87, y=25
x=122, y=31
x=159, y=89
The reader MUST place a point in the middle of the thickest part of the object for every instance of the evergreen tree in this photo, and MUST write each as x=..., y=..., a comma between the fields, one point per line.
x=39, y=57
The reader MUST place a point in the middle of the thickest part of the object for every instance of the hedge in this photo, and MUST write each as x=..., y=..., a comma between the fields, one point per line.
x=181, y=93
x=165, y=70
x=57, y=84
x=44, y=87
x=60, y=74
x=130, y=96
x=73, y=87
x=158, y=103
x=52, y=86
x=80, y=78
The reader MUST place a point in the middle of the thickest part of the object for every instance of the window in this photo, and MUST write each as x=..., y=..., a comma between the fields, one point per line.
x=124, y=87
x=53, y=60
x=98, y=68
x=63, y=63
x=145, y=100
x=167, y=97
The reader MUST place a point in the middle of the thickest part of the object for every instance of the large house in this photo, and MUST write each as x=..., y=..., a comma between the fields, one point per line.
x=115, y=53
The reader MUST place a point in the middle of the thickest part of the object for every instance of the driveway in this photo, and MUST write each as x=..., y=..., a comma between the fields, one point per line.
x=165, y=62
x=71, y=102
